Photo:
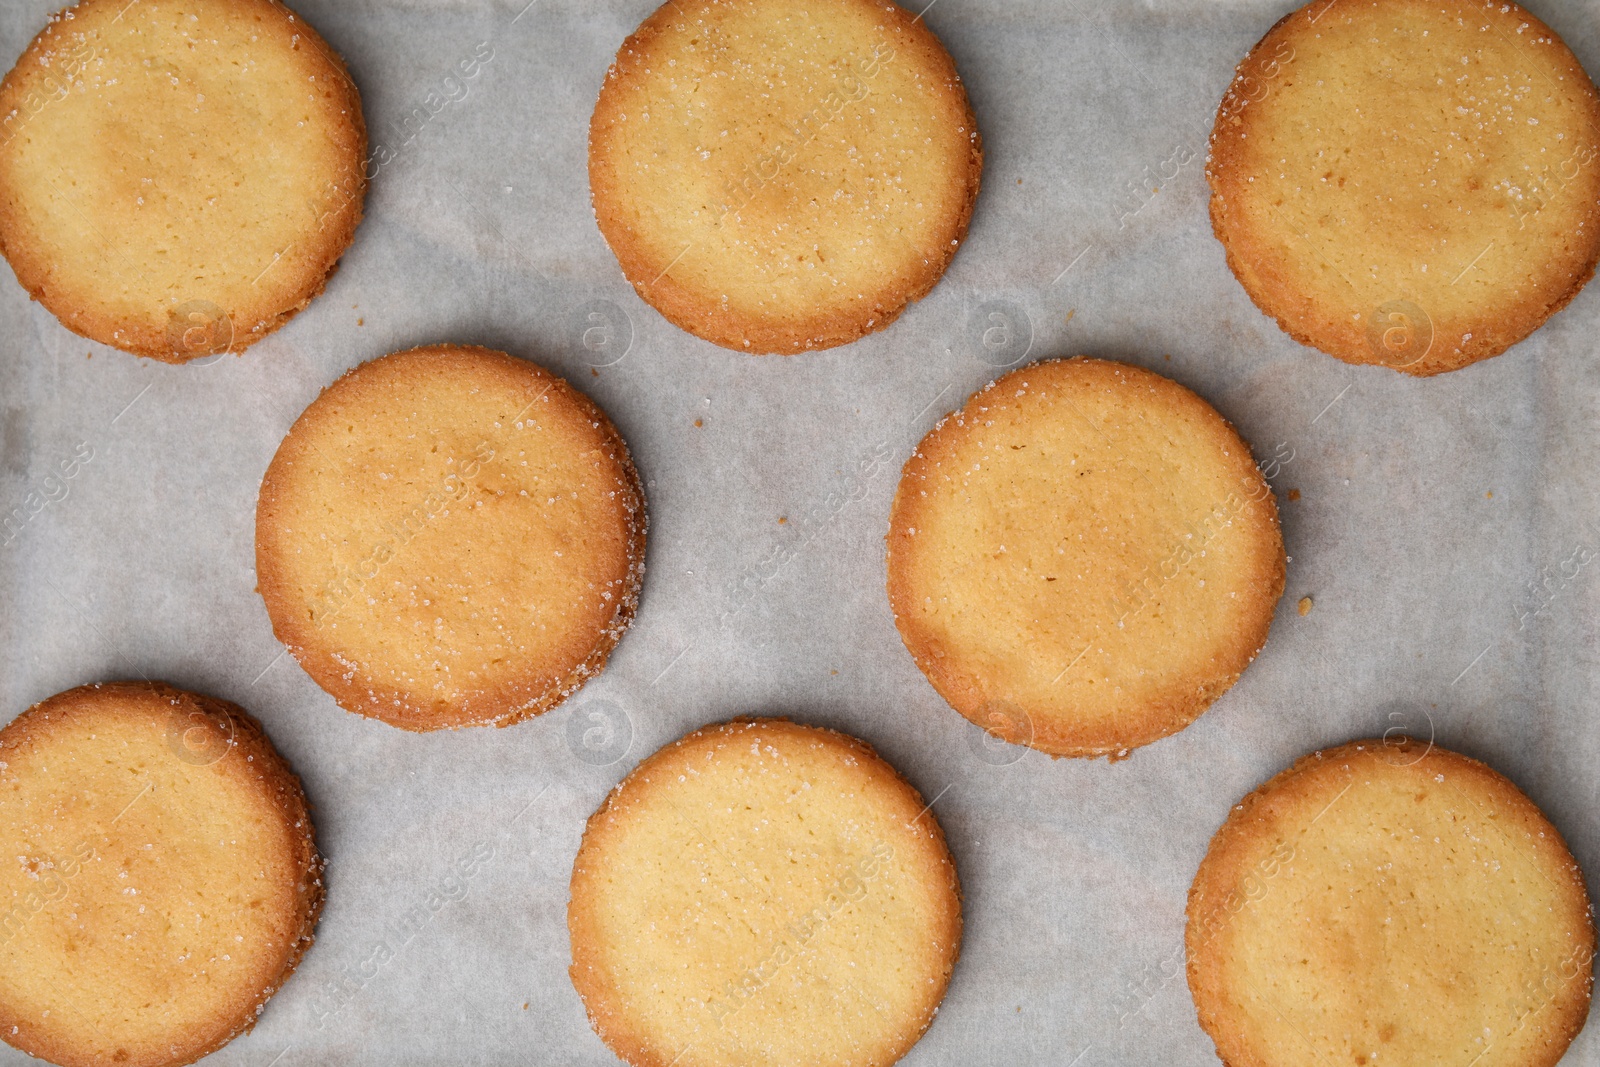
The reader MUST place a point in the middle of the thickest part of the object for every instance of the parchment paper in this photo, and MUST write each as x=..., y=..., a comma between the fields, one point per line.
x=1435, y=528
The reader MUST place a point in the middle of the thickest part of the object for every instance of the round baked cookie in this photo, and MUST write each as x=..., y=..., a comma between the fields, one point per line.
x=450, y=537
x=783, y=175
x=763, y=892
x=1083, y=557
x=1389, y=902
x=158, y=875
x=1411, y=183
x=178, y=178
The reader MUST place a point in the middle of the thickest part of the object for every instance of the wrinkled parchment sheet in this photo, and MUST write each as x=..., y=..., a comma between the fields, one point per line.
x=1438, y=527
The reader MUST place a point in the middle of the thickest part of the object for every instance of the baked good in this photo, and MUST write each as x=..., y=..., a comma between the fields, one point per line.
x=782, y=175
x=802, y=907
x=1411, y=183
x=178, y=178
x=159, y=879
x=450, y=537
x=1389, y=902
x=1083, y=557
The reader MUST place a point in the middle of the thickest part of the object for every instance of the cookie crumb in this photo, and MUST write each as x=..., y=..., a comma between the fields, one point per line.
x=1294, y=494
x=1305, y=605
